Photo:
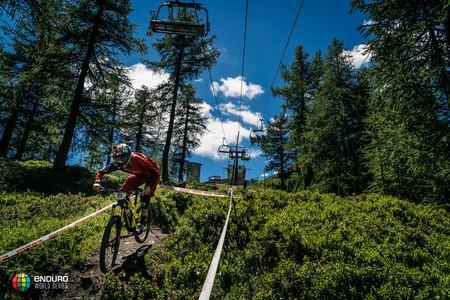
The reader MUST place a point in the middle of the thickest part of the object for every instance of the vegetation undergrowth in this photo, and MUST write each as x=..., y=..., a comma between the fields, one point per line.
x=28, y=216
x=303, y=245
x=38, y=176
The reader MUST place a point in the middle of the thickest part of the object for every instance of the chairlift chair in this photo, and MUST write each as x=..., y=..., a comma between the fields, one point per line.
x=245, y=155
x=224, y=148
x=192, y=27
x=257, y=135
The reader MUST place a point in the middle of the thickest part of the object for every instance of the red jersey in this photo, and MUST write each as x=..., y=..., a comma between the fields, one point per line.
x=139, y=165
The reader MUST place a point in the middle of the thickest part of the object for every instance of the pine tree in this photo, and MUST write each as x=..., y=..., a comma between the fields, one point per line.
x=190, y=126
x=141, y=116
x=415, y=33
x=408, y=133
x=334, y=127
x=97, y=32
x=184, y=58
x=301, y=79
x=6, y=88
x=274, y=147
x=100, y=120
x=37, y=56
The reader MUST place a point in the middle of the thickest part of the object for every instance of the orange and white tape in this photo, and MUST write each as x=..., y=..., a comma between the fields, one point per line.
x=65, y=228
x=51, y=235
x=194, y=192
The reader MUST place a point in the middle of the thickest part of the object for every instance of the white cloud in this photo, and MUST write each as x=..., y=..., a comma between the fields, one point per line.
x=369, y=22
x=206, y=110
x=360, y=55
x=212, y=139
x=231, y=87
x=249, y=117
x=254, y=152
x=140, y=75
x=199, y=80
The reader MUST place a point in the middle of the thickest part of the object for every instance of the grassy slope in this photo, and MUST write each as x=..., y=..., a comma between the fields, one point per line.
x=279, y=245
x=27, y=215
x=303, y=245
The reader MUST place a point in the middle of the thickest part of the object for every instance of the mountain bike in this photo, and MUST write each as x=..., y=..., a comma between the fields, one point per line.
x=130, y=208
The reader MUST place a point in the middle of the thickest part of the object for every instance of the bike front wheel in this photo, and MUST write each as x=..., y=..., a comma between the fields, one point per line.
x=110, y=244
x=140, y=238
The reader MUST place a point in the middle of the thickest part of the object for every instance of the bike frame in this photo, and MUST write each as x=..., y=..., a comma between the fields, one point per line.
x=131, y=205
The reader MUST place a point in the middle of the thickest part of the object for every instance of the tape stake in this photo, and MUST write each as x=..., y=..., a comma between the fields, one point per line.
x=209, y=281
x=51, y=235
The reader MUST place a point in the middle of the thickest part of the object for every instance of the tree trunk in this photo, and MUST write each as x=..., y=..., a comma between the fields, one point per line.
x=139, y=133
x=111, y=132
x=27, y=131
x=283, y=182
x=63, y=151
x=438, y=62
x=165, y=158
x=185, y=136
x=308, y=176
x=10, y=126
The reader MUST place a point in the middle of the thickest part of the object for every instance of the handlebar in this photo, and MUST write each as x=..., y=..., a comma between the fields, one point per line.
x=109, y=190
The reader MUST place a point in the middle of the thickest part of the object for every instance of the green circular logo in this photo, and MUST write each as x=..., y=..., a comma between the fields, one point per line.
x=21, y=282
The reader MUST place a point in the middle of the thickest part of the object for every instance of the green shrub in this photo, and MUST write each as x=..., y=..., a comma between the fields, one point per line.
x=28, y=216
x=38, y=176
x=305, y=245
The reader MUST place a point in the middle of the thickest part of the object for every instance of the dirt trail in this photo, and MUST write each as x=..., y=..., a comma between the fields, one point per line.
x=87, y=283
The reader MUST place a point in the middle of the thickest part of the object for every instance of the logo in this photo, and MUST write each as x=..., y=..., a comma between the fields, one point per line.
x=21, y=282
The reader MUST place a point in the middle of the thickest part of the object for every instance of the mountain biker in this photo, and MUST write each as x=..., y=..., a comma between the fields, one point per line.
x=143, y=170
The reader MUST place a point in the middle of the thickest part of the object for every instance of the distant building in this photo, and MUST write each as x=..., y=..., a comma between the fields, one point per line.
x=216, y=179
x=193, y=172
x=242, y=170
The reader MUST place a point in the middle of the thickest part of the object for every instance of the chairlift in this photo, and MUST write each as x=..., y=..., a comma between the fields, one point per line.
x=245, y=155
x=191, y=25
x=257, y=135
x=224, y=148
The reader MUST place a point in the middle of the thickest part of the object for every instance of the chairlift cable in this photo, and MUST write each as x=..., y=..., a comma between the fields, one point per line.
x=284, y=51
x=243, y=63
x=215, y=100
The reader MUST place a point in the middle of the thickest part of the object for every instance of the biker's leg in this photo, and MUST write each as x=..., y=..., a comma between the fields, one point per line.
x=149, y=191
x=145, y=203
x=131, y=183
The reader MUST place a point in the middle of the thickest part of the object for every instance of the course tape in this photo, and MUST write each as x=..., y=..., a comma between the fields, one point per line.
x=194, y=192
x=65, y=228
x=209, y=281
x=51, y=235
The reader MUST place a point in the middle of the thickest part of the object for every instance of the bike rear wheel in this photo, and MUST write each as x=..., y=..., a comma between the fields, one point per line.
x=110, y=244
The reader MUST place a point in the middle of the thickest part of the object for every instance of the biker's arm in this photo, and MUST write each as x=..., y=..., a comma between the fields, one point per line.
x=111, y=167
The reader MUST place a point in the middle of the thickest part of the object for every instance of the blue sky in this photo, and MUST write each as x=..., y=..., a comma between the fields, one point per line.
x=268, y=25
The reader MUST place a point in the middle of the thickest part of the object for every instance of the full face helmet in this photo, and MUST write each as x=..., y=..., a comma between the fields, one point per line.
x=121, y=153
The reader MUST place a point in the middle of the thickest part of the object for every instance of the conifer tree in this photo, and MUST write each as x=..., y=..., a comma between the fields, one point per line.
x=185, y=58
x=140, y=120
x=37, y=55
x=274, y=147
x=301, y=80
x=190, y=126
x=334, y=127
x=408, y=133
x=97, y=32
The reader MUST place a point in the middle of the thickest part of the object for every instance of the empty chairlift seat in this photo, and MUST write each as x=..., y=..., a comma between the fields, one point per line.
x=181, y=18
